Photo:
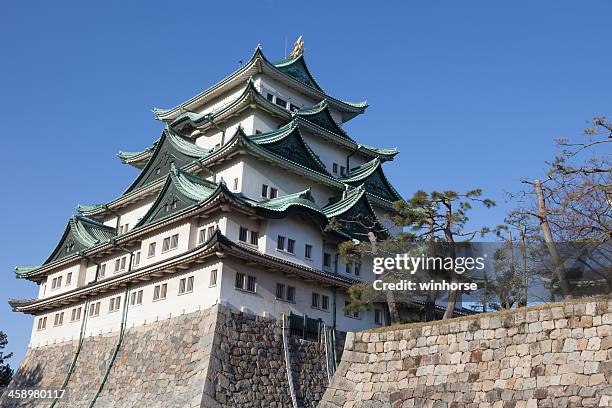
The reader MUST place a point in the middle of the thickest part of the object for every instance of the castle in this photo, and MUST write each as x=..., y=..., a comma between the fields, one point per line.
x=232, y=206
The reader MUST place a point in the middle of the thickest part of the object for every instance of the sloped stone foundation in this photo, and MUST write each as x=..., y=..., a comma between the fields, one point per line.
x=211, y=358
x=557, y=355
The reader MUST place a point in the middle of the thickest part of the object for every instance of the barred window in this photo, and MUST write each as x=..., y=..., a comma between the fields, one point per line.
x=280, y=291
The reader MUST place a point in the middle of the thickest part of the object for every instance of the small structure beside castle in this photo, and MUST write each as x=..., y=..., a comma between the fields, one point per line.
x=231, y=209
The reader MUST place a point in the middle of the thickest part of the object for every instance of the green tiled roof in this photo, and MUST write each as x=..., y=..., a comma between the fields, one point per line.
x=172, y=149
x=294, y=68
x=81, y=233
x=371, y=175
x=287, y=142
x=354, y=212
x=181, y=190
x=88, y=207
x=350, y=198
x=383, y=153
x=22, y=270
x=299, y=199
x=320, y=115
x=248, y=96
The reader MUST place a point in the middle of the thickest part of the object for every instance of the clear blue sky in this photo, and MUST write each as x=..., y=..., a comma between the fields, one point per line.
x=472, y=92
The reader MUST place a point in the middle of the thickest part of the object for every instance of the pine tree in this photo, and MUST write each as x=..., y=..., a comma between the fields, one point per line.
x=6, y=372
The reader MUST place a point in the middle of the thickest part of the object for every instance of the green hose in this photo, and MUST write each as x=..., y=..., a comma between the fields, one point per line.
x=76, y=354
x=116, y=351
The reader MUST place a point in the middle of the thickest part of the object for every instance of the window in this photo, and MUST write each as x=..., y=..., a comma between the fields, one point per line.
x=246, y=282
x=273, y=192
x=264, y=191
x=324, y=302
x=59, y=319
x=347, y=313
x=120, y=263
x=102, y=271
x=114, y=304
x=235, y=184
x=315, y=300
x=290, y=294
x=308, y=251
x=293, y=108
x=213, y=278
x=42, y=323
x=56, y=282
x=159, y=291
x=137, y=258
x=170, y=243
x=186, y=285
x=202, y=235
x=326, y=259
x=335, y=168
x=281, y=102
x=291, y=245
x=280, y=243
x=270, y=97
x=123, y=228
x=94, y=309
x=211, y=231
x=280, y=291
x=239, y=280
x=68, y=278
x=151, y=250
x=254, y=237
x=136, y=298
x=242, y=234
x=76, y=314
x=357, y=269
x=251, y=282
x=342, y=170
x=378, y=316
x=174, y=241
x=347, y=268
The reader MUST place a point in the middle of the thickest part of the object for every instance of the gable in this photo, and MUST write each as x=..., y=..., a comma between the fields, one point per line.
x=170, y=201
x=377, y=185
x=297, y=69
x=67, y=246
x=292, y=147
x=158, y=167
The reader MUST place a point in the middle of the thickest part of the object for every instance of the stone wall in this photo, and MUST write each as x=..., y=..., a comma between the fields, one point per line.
x=211, y=358
x=307, y=362
x=557, y=355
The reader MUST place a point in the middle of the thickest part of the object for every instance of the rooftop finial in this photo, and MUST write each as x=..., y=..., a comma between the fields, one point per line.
x=298, y=49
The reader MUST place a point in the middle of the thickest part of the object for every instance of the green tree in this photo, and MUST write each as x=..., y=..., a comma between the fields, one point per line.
x=6, y=372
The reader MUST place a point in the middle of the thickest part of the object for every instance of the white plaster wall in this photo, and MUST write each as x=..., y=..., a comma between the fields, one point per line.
x=74, y=268
x=266, y=84
x=182, y=229
x=132, y=213
x=303, y=232
x=264, y=301
x=213, y=136
x=256, y=173
x=203, y=296
x=264, y=122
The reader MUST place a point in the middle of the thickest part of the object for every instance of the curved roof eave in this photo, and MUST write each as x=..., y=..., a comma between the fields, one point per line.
x=256, y=64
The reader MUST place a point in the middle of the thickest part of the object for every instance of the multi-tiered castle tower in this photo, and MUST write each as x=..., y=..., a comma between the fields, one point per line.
x=232, y=206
